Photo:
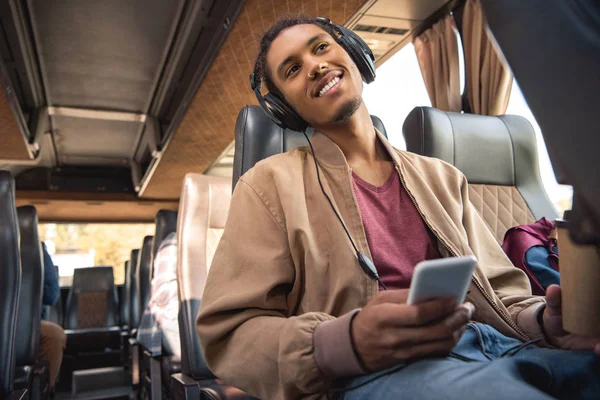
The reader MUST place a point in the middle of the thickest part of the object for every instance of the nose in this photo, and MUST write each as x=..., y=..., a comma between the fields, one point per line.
x=317, y=69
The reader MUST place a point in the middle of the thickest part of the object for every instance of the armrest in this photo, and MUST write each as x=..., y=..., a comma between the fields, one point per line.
x=184, y=388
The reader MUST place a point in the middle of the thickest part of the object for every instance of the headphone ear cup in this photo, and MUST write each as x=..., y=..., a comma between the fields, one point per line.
x=361, y=57
x=359, y=51
x=286, y=115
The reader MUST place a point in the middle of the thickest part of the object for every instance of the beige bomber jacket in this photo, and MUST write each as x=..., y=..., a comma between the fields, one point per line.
x=284, y=265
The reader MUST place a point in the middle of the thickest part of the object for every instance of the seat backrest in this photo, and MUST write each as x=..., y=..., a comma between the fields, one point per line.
x=143, y=276
x=125, y=298
x=10, y=280
x=133, y=292
x=32, y=287
x=165, y=223
x=92, y=300
x=203, y=209
x=498, y=155
x=258, y=137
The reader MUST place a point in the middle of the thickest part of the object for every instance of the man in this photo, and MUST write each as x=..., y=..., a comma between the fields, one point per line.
x=52, y=336
x=288, y=312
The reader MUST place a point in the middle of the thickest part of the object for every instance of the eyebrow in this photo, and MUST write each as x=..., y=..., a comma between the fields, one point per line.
x=308, y=44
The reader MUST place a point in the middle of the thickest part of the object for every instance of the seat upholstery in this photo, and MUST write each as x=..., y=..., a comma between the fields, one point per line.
x=166, y=223
x=258, y=137
x=498, y=155
x=10, y=280
x=132, y=290
x=143, y=276
x=32, y=283
x=92, y=301
x=125, y=298
x=203, y=209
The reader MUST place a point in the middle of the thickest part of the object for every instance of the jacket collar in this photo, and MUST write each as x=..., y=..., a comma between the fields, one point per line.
x=330, y=155
x=328, y=152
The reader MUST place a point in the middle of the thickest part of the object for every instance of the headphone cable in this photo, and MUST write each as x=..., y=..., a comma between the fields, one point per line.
x=365, y=263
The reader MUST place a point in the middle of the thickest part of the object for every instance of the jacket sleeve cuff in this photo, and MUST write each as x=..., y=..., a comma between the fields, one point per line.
x=334, y=353
x=529, y=320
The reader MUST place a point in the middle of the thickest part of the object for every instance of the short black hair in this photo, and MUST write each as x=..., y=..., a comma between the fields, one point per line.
x=261, y=70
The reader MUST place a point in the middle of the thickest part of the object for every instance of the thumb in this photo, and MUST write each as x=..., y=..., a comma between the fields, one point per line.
x=554, y=299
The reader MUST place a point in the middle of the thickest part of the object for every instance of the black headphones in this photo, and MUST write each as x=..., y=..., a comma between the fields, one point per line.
x=281, y=112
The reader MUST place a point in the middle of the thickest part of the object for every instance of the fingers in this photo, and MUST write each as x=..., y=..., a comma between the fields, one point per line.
x=421, y=314
x=441, y=330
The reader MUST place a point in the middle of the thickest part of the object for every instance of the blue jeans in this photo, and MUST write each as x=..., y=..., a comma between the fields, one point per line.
x=486, y=365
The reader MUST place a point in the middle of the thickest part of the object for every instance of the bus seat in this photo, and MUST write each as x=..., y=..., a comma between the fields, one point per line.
x=203, y=209
x=10, y=281
x=166, y=223
x=92, y=300
x=92, y=311
x=30, y=303
x=152, y=369
x=143, y=276
x=497, y=154
x=124, y=298
x=133, y=292
x=257, y=137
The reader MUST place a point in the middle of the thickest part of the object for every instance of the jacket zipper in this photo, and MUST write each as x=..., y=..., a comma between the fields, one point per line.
x=489, y=299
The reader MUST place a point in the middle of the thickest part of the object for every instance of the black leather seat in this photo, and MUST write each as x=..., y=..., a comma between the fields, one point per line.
x=124, y=298
x=203, y=209
x=30, y=306
x=10, y=282
x=140, y=296
x=257, y=137
x=156, y=371
x=143, y=276
x=92, y=311
x=498, y=155
x=133, y=292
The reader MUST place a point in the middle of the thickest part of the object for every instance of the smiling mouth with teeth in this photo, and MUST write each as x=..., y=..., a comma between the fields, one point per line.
x=329, y=85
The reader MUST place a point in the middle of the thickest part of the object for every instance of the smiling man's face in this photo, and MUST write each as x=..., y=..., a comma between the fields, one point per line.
x=315, y=74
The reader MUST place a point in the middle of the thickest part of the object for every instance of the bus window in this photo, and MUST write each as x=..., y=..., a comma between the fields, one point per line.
x=73, y=246
x=561, y=195
x=398, y=89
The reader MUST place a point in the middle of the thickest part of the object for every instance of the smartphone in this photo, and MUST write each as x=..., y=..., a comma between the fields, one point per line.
x=445, y=277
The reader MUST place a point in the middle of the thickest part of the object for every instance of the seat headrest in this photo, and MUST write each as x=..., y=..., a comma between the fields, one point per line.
x=10, y=280
x=166, y=222
x=488, y=150
x=257, y=137
x=94, y=279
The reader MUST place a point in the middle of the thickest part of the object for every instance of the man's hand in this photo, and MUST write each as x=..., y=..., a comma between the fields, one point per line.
x=388, y=331
x=553, y=327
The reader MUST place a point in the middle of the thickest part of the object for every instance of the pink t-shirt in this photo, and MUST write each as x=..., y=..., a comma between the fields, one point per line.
x=396, y=233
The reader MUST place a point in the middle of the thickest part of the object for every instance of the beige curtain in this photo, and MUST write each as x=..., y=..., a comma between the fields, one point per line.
x=488, y=78
x=437, y=52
